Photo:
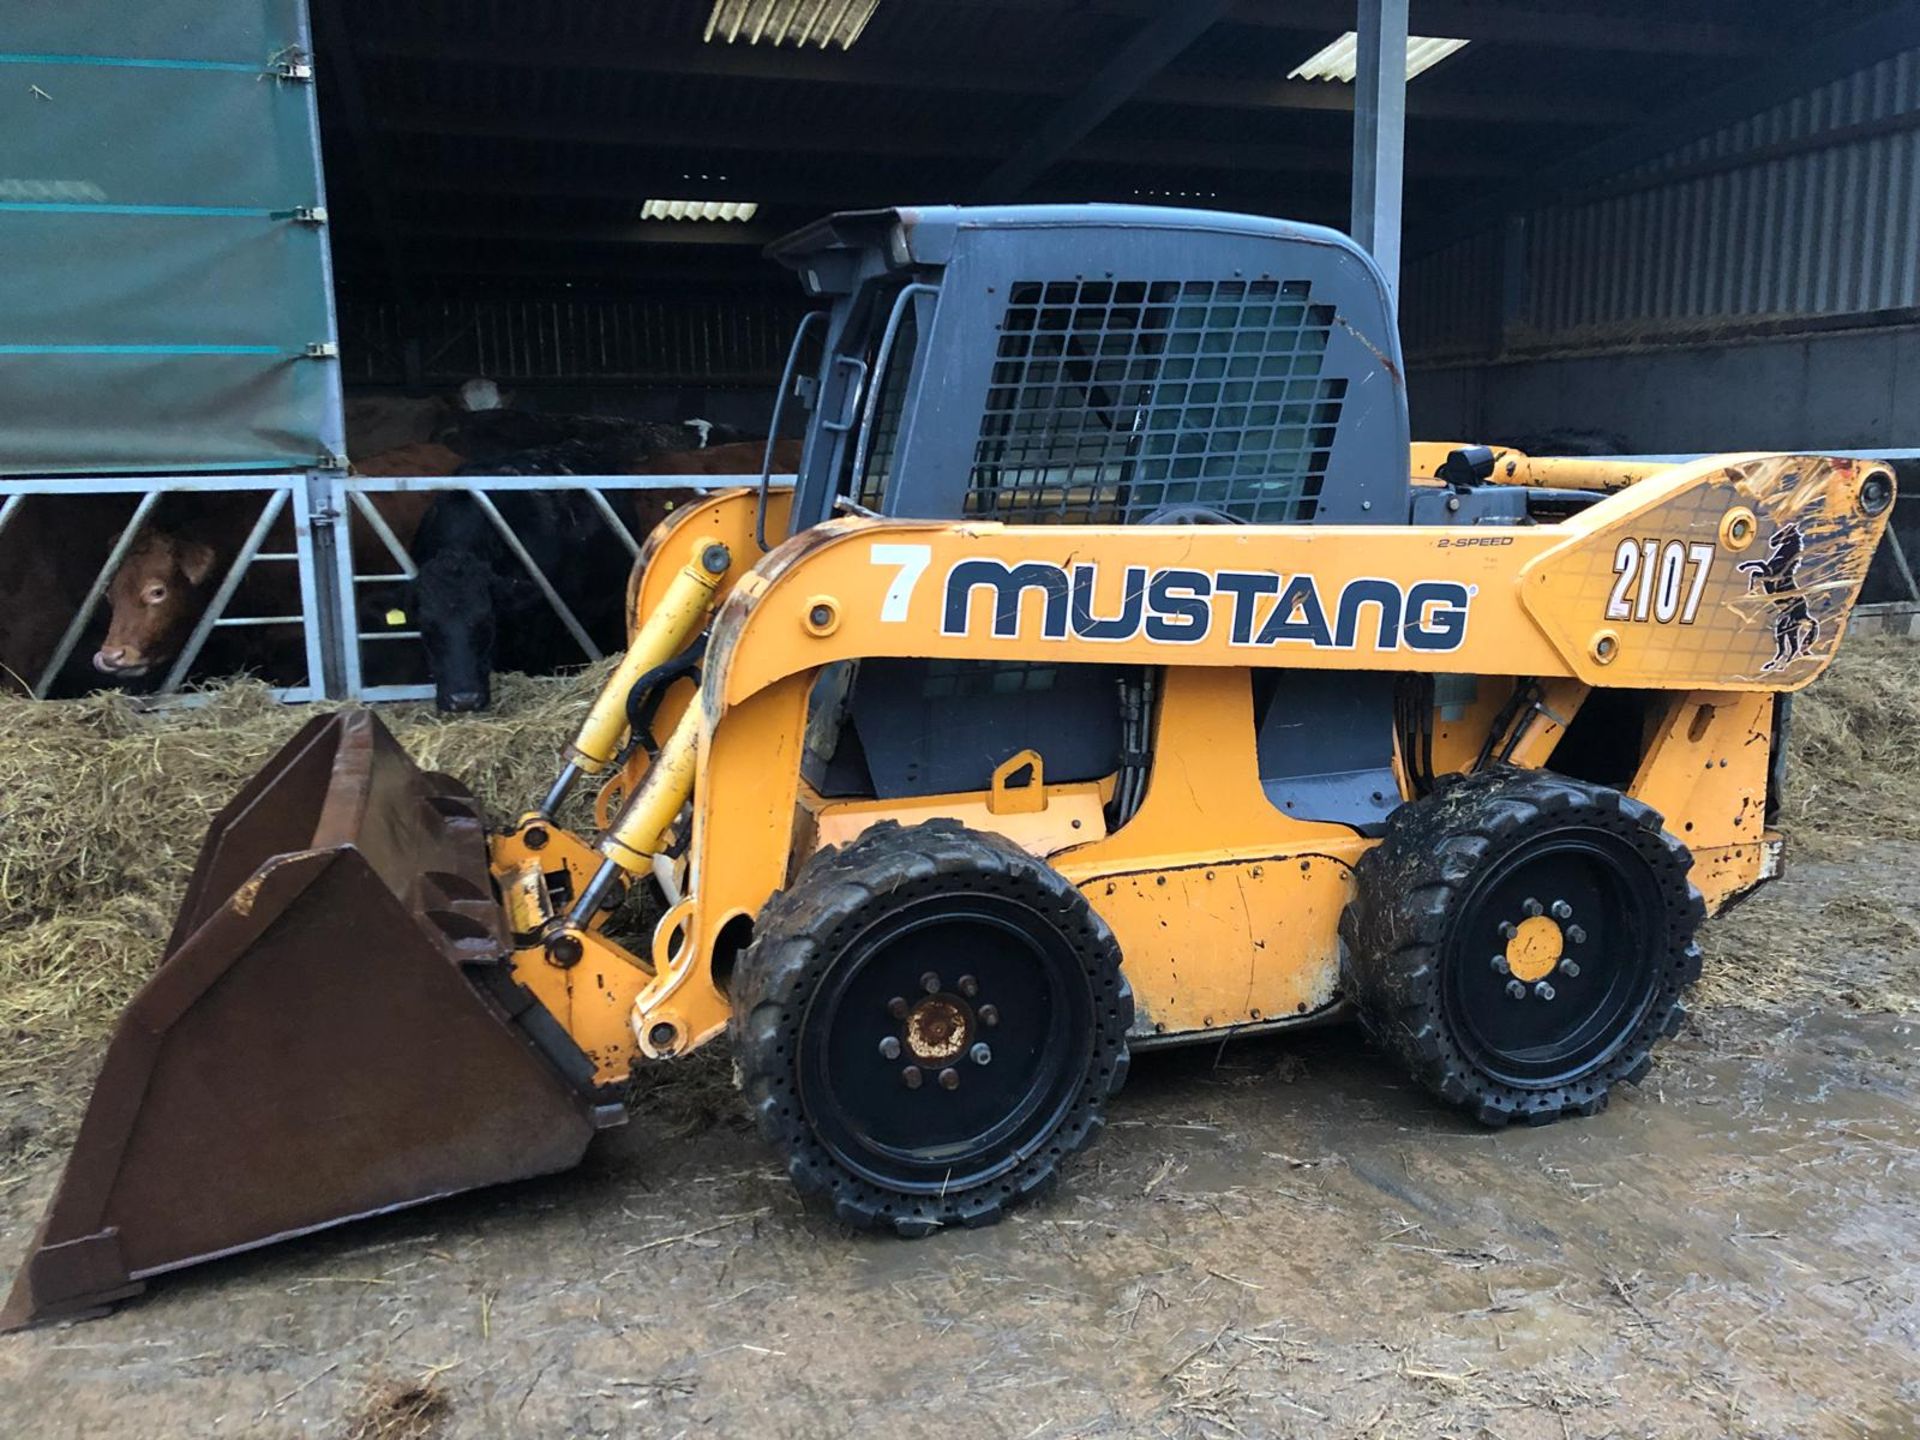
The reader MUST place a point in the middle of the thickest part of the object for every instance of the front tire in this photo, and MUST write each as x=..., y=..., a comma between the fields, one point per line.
x=928, y=1021
x=1520, y=940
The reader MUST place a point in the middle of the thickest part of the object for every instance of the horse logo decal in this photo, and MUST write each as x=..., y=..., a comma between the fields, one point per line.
x=1794, y=628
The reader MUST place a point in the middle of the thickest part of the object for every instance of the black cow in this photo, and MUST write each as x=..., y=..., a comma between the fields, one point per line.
x=477, y=608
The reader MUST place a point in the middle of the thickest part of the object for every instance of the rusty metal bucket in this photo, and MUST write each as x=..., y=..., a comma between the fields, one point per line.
x=333, y=1032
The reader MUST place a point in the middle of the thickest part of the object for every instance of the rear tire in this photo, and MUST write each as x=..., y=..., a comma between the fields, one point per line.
x=1520, y=940
x=928, y=1021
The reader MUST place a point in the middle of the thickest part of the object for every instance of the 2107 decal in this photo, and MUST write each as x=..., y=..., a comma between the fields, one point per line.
x=1659, y=580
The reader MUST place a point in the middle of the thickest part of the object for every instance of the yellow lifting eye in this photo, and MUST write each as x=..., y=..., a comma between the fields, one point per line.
x=1737, y=528
x=1535, y=948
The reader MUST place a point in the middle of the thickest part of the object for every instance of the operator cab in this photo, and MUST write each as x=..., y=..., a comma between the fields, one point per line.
x=1088, y=364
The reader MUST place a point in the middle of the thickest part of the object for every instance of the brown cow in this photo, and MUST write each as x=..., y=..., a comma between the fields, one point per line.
x=424, y=458
x=740, y=458
x=162, y=588
x=647, y=508
x=155, y=598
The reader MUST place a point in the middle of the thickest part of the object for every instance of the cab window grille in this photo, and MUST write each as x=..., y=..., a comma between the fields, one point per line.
x=888, y=408
x=1129, y=401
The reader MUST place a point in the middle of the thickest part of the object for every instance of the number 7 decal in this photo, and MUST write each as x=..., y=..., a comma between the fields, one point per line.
x=912, y=561
x=1700, y=556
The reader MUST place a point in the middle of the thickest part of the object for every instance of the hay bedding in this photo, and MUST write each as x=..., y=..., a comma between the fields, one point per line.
x=104, y=807
x=1847, y=932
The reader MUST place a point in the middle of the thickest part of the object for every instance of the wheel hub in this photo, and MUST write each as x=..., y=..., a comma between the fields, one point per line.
x=1565, y=921
x=939, y=1028
x=1534, y=951
x=953, y=1033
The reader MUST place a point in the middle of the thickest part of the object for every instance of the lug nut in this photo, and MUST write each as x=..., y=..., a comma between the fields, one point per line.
x=949, y=1079
x=930, y=983
x=889, y=1048
x=1533, y=907
x=897, y=1007
x=1575, y=935
x=911, y=1077
x=1517, y=990
x=1508, y=929
x=989, y=1015
x=1544, y=990
x=1570, y=969
x=980, y=1055
x=969, y=986
x=1500, y=965
x=1562, y=910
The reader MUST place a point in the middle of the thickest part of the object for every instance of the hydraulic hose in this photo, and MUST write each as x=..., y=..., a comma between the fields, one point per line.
x=638, y=832
x=665, y=632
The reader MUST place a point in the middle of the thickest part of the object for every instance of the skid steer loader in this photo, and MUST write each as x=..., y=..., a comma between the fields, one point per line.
x=1114, y=675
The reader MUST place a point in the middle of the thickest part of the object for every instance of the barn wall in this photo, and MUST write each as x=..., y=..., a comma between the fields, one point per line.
x=1757, y=286
x=671, y=357
x=735, y=338
x=1854, y=389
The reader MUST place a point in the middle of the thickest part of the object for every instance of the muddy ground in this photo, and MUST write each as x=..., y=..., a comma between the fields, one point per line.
x=1275, y=1237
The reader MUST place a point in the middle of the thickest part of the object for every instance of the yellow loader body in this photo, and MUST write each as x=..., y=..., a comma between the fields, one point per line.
x=1227, y=909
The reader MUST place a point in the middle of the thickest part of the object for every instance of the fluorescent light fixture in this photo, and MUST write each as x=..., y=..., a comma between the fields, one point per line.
x=804, y=22
x=1341, y=59
x=699, y=209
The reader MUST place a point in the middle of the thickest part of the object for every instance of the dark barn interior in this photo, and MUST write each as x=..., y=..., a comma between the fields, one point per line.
x=488, y=163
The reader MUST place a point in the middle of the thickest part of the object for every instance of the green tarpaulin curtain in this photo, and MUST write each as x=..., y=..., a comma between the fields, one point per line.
x=162, y=281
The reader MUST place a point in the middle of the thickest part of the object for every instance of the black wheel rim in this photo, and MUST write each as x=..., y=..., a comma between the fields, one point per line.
x=1538, y=1029
x=1001, y=976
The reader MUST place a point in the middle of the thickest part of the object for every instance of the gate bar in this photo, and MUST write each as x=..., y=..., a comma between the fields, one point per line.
x=230, y=582
x=359, y=490
x=378, y=523
x=618, y=526
x=77, y=626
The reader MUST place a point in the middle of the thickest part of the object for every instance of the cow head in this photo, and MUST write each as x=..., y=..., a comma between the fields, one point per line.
x=456, y=601
x=154, y=598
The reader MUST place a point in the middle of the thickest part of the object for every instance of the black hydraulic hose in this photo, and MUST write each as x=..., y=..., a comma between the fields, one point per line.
x=643, y=700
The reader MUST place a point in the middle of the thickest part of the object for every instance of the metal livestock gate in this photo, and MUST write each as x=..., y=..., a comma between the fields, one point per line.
x=392, y=564
x=291, y=496
x=316, y=510
x=168, y=327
